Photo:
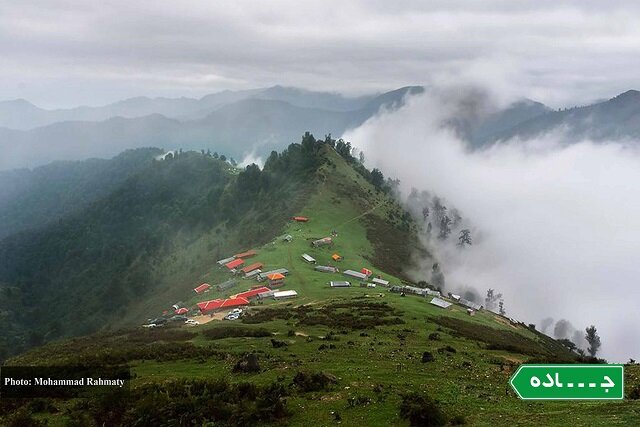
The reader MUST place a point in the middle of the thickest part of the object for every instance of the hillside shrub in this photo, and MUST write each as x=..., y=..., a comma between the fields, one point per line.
x=447, y=349
x=634, y=394
x=427, y=357
x=167, y=333
x=359, y=400
x=247, y=364
x=344, y=317
x=278, y=344
x=91, y=351
x=421, y=411
x=458, y=420
x=232, y=332
x=23, y=418
x=190, y=402
x=316, y=381
x=497, y=339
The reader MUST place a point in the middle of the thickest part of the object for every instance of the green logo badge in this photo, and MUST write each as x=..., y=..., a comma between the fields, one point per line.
x=569, y=382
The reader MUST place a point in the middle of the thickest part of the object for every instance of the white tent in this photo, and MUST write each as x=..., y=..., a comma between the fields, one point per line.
x=440, y=302
x=285, y=294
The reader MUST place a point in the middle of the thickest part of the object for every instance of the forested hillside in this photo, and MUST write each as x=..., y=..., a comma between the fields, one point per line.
x=161, y=225
x=33, y=198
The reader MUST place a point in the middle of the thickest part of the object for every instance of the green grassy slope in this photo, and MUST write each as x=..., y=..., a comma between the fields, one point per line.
x=372, y=341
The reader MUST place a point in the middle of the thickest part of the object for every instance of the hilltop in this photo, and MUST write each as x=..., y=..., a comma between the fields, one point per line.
x=611, y=120
x=331, y=355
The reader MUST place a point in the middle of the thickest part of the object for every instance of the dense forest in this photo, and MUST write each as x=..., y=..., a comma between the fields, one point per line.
x=72, y=276
x=33, y=198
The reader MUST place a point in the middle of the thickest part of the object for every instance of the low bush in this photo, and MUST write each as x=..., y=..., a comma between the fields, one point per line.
x=447, y=349
x=278, y=344
x=434, y=336
x=354, y=315
x=316, y=381
x=427, y=357
x=458, y=420
x=358, y=400
x=331, y=336
x=421, y=411
x=247, y=364
x=327, y=347
x=167, y=333
x=235, y=331
x=191, y=402
x=23, y=418
x=510, y=341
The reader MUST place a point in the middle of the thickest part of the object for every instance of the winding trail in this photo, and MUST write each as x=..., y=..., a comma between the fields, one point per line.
x=361, y=215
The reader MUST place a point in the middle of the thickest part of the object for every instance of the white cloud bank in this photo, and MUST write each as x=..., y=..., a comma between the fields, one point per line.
x=559, y=224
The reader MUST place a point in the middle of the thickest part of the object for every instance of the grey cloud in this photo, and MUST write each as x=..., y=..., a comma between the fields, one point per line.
x=560, y=53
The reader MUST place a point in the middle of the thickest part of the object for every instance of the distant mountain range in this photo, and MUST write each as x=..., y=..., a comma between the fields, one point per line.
x=20, y=114
x=615, y=119
x=259, y=121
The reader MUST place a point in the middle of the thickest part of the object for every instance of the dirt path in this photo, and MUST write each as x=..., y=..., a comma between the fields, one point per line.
x=206, y=319
x=360, y=216
x=299, y=277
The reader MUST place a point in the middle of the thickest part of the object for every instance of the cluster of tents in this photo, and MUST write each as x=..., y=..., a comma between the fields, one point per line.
x=234, y=262
x=275, y=279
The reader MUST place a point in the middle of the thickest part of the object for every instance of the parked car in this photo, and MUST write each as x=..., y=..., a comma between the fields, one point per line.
x=232, y=316
x=177, y=318
x=236, y=311
x=191, y=322
x=150, y=325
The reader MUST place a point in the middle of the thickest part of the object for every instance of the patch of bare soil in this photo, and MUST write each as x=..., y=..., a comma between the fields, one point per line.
x=206, y=319
x=504, y=322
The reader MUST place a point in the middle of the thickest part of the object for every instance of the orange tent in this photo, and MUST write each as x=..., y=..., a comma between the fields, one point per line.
x=366, y=271
x=200, y=289
x=336, y=257
x=250, y=268
x=235, y=263
x=247, y=254
x=252, y=293
x=275, y=276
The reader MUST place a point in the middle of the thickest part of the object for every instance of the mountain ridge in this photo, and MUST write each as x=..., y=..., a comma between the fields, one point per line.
x=29, y=116
x=617, y=118
x=237, y=129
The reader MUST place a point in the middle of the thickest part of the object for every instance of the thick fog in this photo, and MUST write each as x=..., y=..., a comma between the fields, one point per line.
x=556, y=227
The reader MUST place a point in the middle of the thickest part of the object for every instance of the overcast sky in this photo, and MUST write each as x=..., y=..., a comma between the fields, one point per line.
x=68, y=52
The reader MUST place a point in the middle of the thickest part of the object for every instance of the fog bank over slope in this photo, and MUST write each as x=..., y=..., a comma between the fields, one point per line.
x=556, y=225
